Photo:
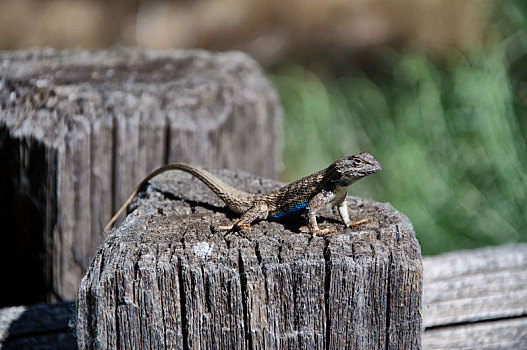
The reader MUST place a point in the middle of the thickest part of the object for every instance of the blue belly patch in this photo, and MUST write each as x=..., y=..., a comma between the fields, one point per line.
x=293, y=210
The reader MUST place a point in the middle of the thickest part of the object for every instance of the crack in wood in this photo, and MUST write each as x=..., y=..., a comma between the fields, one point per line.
x=167, y=141
x=244, y=296
x=388, y=302
x=114, y=171
x=473, y=322
x=258, y=253
x=182, y=305
x=116, y=315
x=327, y=288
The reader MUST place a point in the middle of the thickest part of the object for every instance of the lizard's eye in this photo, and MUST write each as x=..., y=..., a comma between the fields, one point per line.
x=358, y=162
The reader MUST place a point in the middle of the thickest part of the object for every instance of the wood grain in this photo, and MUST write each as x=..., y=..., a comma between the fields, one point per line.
x=476, y=299
x=503, y=332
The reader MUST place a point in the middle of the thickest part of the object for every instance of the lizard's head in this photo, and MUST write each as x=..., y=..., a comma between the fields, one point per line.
x=353, y=168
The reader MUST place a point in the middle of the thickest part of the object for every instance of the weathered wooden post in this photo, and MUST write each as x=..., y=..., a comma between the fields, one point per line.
x=168, y=279
x=79, y=129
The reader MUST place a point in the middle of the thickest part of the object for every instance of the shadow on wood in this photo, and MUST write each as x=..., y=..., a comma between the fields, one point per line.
x=167, y=278
x=43, y=327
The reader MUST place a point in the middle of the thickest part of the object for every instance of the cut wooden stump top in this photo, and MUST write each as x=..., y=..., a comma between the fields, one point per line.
x=48, y=94
x=168, y=277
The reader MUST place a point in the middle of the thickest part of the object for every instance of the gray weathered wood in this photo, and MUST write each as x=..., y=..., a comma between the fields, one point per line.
x=509, y=334
x=78, y=130
x=167, y=278
x=37, y=327
x=476, y=299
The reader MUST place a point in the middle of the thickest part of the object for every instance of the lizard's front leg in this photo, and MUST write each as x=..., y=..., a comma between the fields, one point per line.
x=344, y=215
x=343, y=212
x=312, y=208
x=257, y=212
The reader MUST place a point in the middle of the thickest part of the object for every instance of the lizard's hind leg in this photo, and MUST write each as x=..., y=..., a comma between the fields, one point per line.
x=258, y=212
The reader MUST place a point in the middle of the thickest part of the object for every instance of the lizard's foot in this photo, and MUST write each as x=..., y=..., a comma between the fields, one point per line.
x=236, y=226
x=324, y=232
x=241, y=226
x=358, y=222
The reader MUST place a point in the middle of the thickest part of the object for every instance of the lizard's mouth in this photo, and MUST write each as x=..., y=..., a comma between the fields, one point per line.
x=372, y=171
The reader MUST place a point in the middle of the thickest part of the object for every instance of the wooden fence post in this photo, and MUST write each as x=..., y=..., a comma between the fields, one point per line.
x=168, y=279
x=78, y=130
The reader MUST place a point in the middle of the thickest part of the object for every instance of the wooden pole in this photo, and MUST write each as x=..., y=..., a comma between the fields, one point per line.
x=78, y=131
x=167, y=278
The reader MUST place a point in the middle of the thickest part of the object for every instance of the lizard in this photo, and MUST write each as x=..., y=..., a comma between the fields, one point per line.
x=301, y=197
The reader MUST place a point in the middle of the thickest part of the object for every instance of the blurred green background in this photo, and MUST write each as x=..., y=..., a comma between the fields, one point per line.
x=450, y=133
x=435, y=90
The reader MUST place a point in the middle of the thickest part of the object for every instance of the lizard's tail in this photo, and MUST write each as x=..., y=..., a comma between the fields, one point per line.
x=238, y=201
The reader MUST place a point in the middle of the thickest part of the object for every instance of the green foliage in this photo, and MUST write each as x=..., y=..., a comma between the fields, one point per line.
x=451, y=140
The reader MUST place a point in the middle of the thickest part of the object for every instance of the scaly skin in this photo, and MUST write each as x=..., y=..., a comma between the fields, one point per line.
x=304, y=196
